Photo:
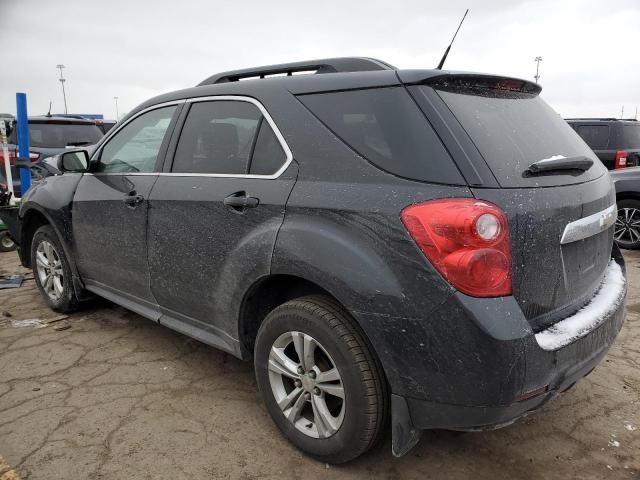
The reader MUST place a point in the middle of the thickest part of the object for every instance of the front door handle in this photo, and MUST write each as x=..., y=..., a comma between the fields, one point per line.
x=133, y=200
x=240, y=201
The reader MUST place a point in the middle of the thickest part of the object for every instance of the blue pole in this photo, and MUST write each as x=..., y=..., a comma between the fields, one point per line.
x=23, y=141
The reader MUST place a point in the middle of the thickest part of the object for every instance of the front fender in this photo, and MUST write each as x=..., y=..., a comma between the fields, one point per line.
x=50, y=199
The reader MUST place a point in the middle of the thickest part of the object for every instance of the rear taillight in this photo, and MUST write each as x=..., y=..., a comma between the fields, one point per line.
x=467, y=241
x=621, y=159
x=12, y=157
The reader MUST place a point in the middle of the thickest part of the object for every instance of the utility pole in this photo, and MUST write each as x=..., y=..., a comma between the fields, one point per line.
x=537, y=75
x=622, y=112
x=62, y=80
x=117, y=113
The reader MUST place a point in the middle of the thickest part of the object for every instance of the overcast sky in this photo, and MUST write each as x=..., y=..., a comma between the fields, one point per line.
x=136, y=49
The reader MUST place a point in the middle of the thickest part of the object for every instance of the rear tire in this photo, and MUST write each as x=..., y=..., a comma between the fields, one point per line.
x=332, y=403
x=627, y=228
x=52, y=271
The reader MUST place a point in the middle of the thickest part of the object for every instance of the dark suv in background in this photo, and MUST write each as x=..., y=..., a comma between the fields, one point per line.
x=615, y=142
x=48, y=136
x=433, y=245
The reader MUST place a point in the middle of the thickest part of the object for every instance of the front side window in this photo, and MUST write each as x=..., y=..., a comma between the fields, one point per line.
x=135, y=148
x=227, y=137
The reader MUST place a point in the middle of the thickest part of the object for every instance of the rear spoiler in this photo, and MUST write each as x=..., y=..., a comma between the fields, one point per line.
x=470, y=82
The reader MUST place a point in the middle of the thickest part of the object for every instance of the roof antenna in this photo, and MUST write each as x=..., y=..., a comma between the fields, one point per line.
x=446, y=52
x=49, y=112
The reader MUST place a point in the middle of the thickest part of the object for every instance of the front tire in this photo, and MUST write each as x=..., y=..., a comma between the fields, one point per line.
x=52, y=271
x=320, y=380
x=627, y=228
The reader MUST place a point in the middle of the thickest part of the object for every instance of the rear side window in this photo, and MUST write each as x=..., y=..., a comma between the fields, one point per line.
x=631, y=134
x=386, y=127
x=596, y=136
x=514, y=130
x=227, y=137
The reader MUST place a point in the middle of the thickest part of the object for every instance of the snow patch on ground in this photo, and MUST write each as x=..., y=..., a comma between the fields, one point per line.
x=608, y=298
x=30, y=322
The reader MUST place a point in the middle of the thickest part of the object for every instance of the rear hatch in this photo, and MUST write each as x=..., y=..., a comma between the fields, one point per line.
x=499, y=128
x=49, y=137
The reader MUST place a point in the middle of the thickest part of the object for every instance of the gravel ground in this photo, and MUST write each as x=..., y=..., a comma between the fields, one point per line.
x=105, y=393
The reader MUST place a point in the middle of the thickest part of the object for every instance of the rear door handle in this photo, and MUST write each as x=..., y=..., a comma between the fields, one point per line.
x=240, y=201
x=133, y=200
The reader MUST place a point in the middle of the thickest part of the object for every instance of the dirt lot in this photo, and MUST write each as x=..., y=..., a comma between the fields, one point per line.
x=108, y=394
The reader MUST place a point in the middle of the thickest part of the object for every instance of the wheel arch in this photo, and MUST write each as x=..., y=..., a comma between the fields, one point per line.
x=263, y=296
x=32, y=219
x=627, y=195
x=272, y=291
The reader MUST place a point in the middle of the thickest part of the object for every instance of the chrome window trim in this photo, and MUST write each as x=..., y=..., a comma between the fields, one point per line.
x=238, y=98
x=589, y=226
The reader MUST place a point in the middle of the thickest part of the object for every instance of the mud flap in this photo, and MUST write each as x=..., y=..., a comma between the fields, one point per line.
x=404, y=436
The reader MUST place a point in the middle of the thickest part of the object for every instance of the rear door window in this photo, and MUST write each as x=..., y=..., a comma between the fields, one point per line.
x=385, y=126
x=596, y=136
x=514, y=130
x=268, y=155
x=229, y=137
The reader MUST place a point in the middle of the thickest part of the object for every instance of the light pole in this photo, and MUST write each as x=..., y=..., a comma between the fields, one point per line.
x=117, y=113
x=62, y=80
x=537, y=75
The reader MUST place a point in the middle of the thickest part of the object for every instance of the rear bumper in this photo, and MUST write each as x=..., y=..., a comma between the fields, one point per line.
x=475, y=364
x=572, y=363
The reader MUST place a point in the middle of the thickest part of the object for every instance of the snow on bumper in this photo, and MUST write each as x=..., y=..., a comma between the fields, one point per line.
x=606, y=301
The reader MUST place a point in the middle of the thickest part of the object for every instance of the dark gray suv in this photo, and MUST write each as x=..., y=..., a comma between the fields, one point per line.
x=426, y=247
x=616, y=142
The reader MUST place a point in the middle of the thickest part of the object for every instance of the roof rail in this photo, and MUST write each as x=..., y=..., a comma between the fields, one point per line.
x=326, y=65
x=608, y=119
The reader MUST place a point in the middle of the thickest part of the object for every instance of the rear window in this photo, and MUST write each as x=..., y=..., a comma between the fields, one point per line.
x=631, y=134
x=60, y=135
x=596, y=136
x=385, y=126
x=512, y=131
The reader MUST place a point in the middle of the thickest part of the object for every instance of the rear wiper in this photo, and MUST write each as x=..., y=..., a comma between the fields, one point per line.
x=560, y=162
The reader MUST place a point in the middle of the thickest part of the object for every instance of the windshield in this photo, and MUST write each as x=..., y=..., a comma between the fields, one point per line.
x=631, y=136
x=60, y=135
x=513, y=131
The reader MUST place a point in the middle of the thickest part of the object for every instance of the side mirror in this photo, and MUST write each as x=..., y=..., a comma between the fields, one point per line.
x=74, y=161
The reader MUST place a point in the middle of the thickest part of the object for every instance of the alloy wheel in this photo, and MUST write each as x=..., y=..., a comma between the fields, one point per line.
x=306, y=384
x=627, y=227
x=49, y=268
